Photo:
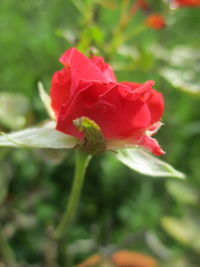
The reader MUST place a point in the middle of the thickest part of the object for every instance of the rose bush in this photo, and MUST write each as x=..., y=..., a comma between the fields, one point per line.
x=127, y=113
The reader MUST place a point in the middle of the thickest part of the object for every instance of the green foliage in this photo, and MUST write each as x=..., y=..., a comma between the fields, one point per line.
x=117, y=204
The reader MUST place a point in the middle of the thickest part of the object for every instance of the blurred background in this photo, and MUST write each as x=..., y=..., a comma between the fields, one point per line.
x=119, y=209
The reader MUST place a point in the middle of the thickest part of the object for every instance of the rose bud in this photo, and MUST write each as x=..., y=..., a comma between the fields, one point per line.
x=87, y=98
x=155, y=21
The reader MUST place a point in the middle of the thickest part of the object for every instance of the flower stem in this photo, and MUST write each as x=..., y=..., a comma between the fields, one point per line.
x=81, y=162
x=135, y=32
x=117, y=38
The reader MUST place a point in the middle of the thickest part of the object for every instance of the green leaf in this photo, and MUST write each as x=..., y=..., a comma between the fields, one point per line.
x=38, y=137
x=46, y=101
x=143, y=162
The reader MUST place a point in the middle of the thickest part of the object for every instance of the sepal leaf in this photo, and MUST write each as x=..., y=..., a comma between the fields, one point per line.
x=45, y=98
x=141, y=161
x=38, y=137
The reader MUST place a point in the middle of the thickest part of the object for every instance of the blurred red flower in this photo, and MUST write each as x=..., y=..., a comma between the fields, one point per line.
x=127, y=112
x=155, y=21
x=141, y=4
x=187, y=2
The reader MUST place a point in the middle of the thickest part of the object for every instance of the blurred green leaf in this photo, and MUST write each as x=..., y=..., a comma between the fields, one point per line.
x=143, y=162
x=186, y=230
x=183, y=192
x=183, y=67
x=182, y=79
x=157, y=246
x=38, y=137
x=13, y=108
x=51, y=156
x=178, y=261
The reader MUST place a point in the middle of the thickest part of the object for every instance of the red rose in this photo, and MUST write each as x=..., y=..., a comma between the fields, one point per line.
x=187, y=2
x=155, y=21
x=127, y=113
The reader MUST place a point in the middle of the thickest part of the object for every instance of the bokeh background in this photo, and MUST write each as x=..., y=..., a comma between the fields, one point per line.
x=119, y=209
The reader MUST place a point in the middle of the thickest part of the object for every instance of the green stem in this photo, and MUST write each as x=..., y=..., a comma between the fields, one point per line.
x=6, y=252
x=81, y=162
x=136, y=31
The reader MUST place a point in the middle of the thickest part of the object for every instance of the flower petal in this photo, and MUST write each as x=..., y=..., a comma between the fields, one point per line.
x=128, y=117
x=83, y=104
x=156, y=106
x=60, y=89
x=81, y=67
x=135, y=90
x=105, y=68
x=151, y=145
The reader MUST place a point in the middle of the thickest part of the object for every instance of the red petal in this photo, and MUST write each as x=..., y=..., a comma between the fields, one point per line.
x=156, y=106
x=129, y=116
x=81, y=67
x=151, y=144
x=154, y=128
x=135, y=90
x=105, y=68
x=59, y=91
x=82, y=104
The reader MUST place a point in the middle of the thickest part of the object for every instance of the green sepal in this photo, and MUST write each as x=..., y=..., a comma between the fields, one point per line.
x=93, y=142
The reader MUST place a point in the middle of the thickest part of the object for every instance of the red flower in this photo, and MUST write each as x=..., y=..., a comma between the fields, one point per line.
x=140, y=4
x=155, y=21
x=127, y=113
x=187, y=2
